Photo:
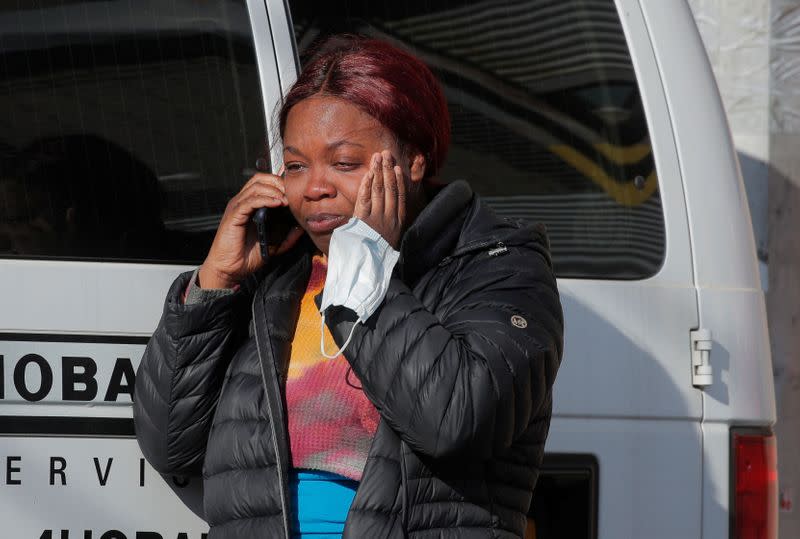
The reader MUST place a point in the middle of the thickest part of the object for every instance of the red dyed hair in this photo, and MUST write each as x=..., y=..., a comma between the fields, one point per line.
x=388, y=83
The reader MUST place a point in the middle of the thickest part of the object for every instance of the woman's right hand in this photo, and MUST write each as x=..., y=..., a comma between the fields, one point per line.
x=235, y=252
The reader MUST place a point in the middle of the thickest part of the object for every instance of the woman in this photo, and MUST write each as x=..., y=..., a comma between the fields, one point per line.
x=431, y=419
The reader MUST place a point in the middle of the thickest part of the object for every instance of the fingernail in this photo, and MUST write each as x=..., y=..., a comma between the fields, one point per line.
x=378, y=159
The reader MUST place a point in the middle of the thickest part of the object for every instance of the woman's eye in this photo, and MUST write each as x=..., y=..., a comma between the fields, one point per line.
x=346, y=165
x=293, y=167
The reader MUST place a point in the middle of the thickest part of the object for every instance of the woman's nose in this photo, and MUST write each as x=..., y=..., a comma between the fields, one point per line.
x=318, y=186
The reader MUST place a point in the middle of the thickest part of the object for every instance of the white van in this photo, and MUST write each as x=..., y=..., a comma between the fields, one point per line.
x=126, y=125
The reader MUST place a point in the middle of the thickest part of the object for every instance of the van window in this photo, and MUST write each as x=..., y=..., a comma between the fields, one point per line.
x=124, y=126
x=548, y=123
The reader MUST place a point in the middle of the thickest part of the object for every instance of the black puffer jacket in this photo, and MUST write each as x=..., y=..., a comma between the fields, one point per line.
x=459, y=359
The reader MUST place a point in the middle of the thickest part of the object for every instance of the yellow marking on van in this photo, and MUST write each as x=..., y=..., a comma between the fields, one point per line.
x=623, y=155
x=624, y=193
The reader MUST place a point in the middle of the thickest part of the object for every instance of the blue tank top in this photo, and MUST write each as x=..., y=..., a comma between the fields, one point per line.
x=320, y=502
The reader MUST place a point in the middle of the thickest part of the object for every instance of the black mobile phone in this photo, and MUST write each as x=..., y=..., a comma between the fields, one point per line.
x=260, y=219
x=260, y=216
x=272, y=224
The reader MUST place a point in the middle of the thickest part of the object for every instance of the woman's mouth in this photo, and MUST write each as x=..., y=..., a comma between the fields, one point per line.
x=320, y=223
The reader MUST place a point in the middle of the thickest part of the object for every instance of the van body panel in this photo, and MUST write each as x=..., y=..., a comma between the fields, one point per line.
x=730, y=300
x=47, y=296
x=743, y=388
x=715, y=196
x=649, y=485
x=628, y=359
x=96, y=489
x=268, y=69
x=284, y=46
x=677, y=266
x=716, y=478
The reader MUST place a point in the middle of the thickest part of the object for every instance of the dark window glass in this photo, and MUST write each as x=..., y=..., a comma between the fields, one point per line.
x=125, y=126
x=548, y=123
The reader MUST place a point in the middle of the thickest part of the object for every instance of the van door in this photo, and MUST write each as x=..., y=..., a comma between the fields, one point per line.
x=559, y=116
x=124, y=129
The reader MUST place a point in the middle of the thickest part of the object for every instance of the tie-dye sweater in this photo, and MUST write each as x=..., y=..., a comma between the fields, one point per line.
x=331, y=421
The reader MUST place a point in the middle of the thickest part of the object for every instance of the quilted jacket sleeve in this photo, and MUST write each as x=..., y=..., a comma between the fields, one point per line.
x=180, y=377
x=469, y=373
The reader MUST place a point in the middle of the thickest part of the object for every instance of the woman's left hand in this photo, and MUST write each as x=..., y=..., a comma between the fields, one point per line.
x=381, y=201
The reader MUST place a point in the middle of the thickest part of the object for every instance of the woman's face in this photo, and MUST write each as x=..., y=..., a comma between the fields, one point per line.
x=327, y=147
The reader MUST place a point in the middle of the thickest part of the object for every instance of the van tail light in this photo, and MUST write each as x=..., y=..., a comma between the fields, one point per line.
x=754, y=466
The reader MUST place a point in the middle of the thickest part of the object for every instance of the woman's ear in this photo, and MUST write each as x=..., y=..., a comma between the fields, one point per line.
x=417, y=168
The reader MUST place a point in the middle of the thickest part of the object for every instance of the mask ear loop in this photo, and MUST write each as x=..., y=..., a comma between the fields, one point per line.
x=322, y=339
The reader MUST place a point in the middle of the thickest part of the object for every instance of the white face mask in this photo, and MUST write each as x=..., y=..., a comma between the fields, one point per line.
x=360, y=265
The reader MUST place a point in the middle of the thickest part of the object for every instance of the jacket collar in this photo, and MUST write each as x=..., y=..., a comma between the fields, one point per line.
x=436, y=231
x=457, y=221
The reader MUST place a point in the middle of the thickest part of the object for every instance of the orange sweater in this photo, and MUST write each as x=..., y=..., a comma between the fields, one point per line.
x=331, y=421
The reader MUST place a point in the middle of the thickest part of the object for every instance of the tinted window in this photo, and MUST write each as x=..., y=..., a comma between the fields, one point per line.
x=548, y=123
x=125, y=126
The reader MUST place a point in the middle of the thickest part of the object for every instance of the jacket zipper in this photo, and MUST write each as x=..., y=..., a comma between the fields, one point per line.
x=404, y=484
x=259, y=347
x=497, y=248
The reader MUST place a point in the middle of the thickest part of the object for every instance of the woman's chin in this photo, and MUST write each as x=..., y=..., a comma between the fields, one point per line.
x=322, y=241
